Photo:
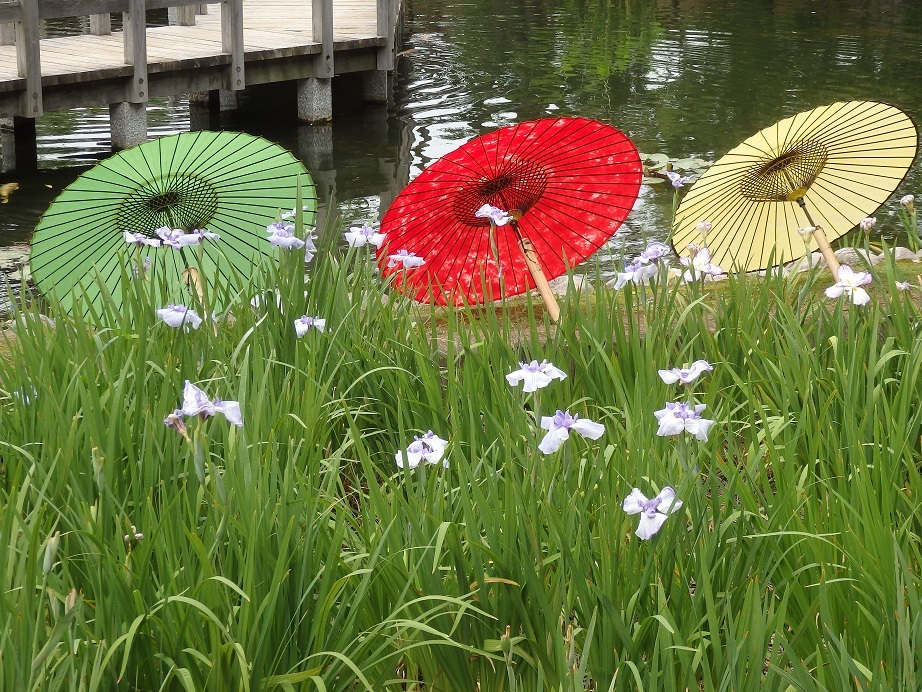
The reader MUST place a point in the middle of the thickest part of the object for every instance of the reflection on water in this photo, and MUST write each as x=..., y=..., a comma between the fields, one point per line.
x=689, y=78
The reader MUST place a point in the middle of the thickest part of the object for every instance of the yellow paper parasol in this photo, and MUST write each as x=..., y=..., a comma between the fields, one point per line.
x=829, y=168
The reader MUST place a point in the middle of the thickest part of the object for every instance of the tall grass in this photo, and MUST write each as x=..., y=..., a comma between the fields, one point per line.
x=292, y=553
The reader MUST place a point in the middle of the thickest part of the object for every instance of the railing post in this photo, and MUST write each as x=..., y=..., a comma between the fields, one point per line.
x=376, y=83
x=134, y=23
x=7, y=34
x=322, y=21
x=201, y=9
x=315, y=94
x=28, y=56
x=387, y=27
x=183, y=15
x=232, y=42
x=128, y=119
x=100, y=24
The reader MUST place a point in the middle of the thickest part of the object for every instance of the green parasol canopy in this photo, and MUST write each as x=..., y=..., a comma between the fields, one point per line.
x=229, y=183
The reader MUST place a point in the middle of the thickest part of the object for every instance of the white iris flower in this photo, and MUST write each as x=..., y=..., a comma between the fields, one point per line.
x=559, y=426
x=850, y=283
x=535, y=375
x=653, y=512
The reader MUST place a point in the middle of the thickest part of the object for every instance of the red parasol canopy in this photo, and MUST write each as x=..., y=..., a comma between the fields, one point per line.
x=569, y=182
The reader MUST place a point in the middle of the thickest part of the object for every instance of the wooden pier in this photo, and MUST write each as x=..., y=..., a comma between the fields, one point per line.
x=220, y=48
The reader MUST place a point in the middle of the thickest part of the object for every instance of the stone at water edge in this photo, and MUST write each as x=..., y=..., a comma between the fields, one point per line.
x=902, y=254
x=857, y=257
x=560, y=284
x=805, y=263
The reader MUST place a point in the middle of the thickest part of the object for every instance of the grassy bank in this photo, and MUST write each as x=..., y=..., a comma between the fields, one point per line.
x=293, y=553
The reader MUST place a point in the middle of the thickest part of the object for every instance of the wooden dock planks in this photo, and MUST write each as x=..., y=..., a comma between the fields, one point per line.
x=272, y=30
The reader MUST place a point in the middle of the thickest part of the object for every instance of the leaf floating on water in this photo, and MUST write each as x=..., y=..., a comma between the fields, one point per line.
x=658, y=159
x=690, y=163
x=683, y=164
x=647, y=180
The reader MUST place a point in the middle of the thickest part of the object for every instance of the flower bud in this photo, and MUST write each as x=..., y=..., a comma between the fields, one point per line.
x=174, y=420
x=909, y=202
x=806, y=232
x=703, y=228
x=867, y=224
x=97, y=469
x=505, y=641
x=70, y=601
x=134, y=536
x=51, y=551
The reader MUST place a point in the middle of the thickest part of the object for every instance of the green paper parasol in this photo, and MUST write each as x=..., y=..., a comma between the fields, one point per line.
x=228, y=183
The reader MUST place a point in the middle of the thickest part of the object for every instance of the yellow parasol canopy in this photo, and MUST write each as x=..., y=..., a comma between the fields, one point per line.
x=829, y=167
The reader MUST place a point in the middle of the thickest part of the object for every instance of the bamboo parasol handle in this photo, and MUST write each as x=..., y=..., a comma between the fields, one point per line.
x=828, y=254
x=821, y=241
x=537, y=273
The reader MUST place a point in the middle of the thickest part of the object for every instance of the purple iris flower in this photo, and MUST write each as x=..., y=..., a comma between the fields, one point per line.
x=281, y=235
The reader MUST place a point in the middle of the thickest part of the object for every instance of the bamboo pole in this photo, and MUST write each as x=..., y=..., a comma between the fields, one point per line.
x=821, y=241
x=828, y=254
x=537, y=273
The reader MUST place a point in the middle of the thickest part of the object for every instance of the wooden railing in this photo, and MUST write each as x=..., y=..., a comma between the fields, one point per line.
x=25, y=15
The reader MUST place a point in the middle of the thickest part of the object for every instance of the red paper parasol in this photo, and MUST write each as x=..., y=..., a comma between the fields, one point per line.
x=568, y=182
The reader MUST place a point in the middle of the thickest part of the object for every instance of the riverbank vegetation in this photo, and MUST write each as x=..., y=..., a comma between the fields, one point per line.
x=146, y=547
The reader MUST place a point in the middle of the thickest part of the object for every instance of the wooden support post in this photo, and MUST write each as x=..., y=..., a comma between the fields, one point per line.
x=135, y=28
x=201, y=9
x=232, y=42
x=184, y=15
x=28, y=56
x=7, y=34
x=387, y=27
x=315, y=94
x=375, y=83
x=322, y=27
x=100, y=24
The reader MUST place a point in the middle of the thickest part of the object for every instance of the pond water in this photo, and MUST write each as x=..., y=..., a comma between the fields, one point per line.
x=688, y=78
